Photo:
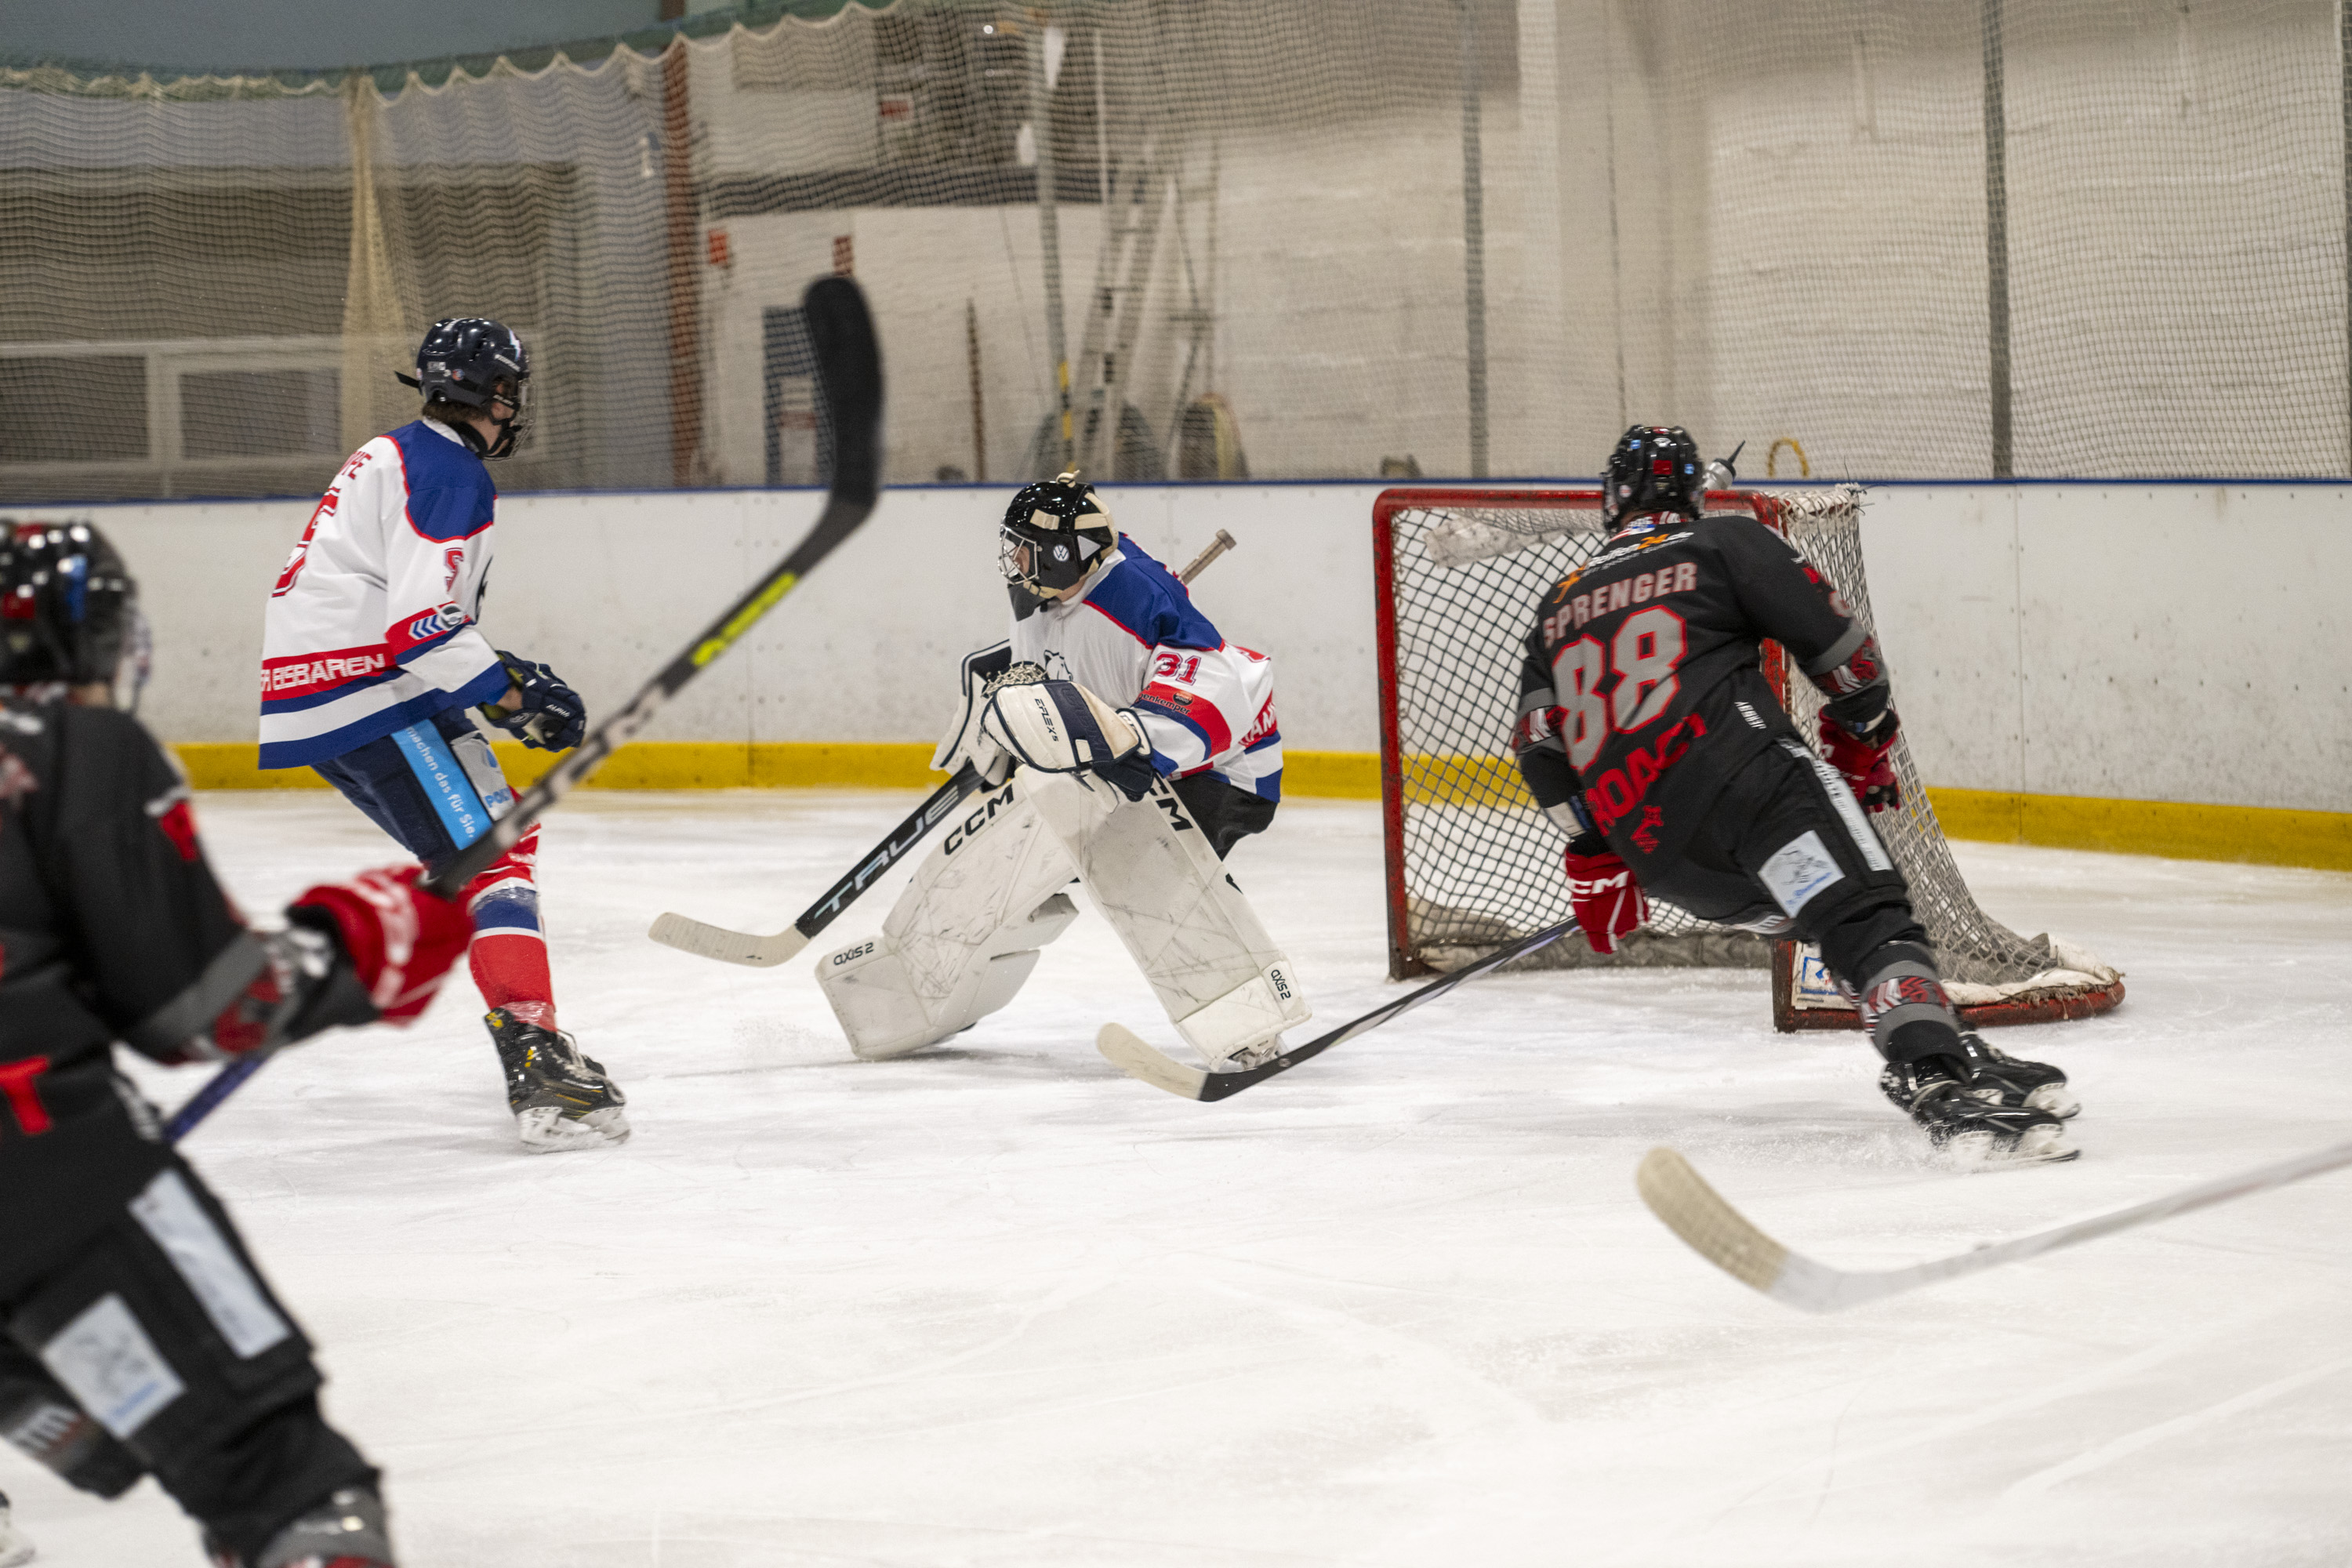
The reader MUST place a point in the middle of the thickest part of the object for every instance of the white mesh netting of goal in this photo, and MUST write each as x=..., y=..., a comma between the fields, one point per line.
x=1473, y=864
x=1287, y=238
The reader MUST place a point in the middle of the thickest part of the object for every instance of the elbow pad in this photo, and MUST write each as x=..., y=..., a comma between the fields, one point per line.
x=1852, y=676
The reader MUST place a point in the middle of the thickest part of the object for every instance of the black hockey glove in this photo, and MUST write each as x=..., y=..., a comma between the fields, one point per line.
x=550, y=715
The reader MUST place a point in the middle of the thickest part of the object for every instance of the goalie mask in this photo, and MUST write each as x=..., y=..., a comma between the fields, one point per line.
x=1655, y=469
x=1054, y=533
x=481, y=365
x=68, y=612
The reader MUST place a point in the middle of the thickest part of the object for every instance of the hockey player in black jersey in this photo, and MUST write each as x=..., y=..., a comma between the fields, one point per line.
x=1648, y=731
x=140, y=1338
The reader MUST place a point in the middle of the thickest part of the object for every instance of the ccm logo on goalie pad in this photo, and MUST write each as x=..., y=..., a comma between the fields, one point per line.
x=962, y=832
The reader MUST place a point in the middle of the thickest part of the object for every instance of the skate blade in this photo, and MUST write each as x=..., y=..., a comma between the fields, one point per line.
x=1973, y=1152
x=544, y=1129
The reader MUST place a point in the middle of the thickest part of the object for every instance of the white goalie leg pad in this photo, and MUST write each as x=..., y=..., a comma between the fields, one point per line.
x=963, y=938
x=1153, y=874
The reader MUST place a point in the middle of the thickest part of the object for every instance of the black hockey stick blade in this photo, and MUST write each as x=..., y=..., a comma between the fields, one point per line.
x=1728, y=1239
x=1133, y=1055
x=706, y=940
x=849, y=370
x=674, y=930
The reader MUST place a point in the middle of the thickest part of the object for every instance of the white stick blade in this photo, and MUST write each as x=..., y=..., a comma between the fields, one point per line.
x=727, y=946
x=1132, y=1056
x=1715, y=1230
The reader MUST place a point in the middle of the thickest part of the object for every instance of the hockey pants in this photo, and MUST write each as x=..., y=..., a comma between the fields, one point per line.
x=434, y=787
x=1787, y=850
x=155, y=1347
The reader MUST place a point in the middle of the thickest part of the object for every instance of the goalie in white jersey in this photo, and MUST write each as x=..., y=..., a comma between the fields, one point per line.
x=1127, y=745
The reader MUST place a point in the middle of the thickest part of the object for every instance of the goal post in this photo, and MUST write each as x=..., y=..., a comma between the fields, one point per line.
x=1471, y=863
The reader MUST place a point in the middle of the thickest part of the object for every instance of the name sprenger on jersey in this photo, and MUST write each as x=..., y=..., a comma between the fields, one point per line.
x=1638, y=589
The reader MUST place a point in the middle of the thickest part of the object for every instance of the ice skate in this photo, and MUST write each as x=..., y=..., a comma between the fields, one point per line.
x=1999, y=1079
x=346, y=1529
x=1972, y=1133
x=560, y=1098
x=15, y=1549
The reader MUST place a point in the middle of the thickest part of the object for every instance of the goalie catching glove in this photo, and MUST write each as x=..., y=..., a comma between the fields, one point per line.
x=547, y=714
x=1601, y=889
x=1862, y=761
x=1060, y=727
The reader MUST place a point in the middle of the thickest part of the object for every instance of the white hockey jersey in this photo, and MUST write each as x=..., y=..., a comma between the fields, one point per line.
x=371, y=626
x=1134, y=639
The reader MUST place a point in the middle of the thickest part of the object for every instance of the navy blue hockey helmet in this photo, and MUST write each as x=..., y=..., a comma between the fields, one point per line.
x=1655, y=469
x=69, y=610
x=1054, y=533
x=478, y=363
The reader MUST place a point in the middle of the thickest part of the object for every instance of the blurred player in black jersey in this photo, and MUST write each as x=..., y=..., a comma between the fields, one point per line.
x=1648, y=731
x=140, y=1338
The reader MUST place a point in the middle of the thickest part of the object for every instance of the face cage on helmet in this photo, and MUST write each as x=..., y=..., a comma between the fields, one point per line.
x=1025, y=554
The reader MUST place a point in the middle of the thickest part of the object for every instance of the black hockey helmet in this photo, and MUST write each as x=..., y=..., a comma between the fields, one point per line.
x=1054, y=533
x=475, y=362
x=1655, y=467
x=68, y=611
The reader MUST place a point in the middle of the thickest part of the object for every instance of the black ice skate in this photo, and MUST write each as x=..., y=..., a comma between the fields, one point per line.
x=345, y=1530
x=1974, y=1135
x=1999, y=1079
x=561, y=1098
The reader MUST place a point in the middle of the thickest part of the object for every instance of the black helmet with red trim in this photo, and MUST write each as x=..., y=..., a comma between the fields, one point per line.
x=68, y=611
x=1655, y=469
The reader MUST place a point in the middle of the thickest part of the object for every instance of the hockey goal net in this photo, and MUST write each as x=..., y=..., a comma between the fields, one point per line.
x=1473, y=864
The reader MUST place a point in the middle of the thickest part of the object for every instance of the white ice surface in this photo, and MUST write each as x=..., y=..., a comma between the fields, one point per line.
x=997, y=1305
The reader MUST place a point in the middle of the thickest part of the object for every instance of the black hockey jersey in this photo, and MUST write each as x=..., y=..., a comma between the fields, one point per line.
x=111, y=928
x=1644, y=673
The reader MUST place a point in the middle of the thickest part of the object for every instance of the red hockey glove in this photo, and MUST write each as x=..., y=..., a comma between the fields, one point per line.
x=1607, y=900
x=400, y=941
x=1863, y=762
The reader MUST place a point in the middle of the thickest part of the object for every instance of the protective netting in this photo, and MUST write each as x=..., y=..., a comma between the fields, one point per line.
x=1479, y=864
x=1281, y=237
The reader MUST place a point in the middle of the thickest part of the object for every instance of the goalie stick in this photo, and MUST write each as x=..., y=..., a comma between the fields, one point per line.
x=1727, y=1239
x=674, y=930
x=1137, y=1059
x=849, y=369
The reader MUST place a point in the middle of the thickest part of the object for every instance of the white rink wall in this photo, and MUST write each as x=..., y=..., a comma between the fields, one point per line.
x=2170, y=642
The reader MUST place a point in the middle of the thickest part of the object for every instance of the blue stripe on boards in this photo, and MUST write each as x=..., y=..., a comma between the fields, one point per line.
x=446, y=784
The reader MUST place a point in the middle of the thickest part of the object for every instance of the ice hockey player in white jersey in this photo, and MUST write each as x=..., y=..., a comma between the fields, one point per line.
x=371, y=658
x=1126, y=744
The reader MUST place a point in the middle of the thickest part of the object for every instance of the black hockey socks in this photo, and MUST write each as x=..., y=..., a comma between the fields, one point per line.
x=1902, y=1002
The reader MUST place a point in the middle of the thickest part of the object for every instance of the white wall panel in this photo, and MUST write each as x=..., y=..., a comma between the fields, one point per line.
x=2151, y=642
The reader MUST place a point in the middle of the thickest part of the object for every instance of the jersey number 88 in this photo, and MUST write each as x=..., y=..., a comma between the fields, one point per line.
x=1644, y=652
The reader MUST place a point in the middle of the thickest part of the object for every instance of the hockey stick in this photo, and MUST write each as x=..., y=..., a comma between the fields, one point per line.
x=1133, y=1055
x=849, y=369
x=674, y=930
x=1727, y=1239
